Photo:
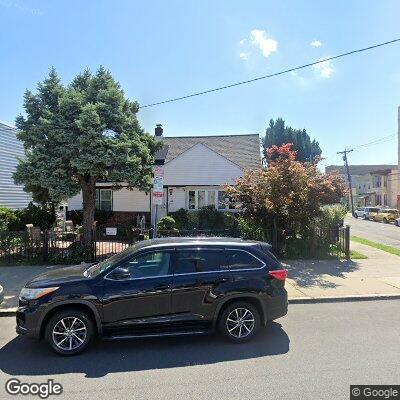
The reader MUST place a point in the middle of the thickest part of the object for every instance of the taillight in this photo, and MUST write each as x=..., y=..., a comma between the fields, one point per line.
x=279, y=274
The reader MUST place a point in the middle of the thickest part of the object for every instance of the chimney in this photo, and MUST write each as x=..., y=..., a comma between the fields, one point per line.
x=158, y=132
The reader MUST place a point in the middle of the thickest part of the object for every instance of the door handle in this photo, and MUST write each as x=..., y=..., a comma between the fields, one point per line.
x=221, y=280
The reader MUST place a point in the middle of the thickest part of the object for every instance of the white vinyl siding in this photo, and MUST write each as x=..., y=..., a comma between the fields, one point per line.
x=200, y=166
x=122, y=200
x=11, y=195
x=131, y=200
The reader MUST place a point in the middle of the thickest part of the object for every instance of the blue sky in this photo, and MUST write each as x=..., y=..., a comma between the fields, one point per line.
x=160, y=49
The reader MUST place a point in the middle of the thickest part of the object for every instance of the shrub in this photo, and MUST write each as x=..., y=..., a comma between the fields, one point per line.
x=166, y=224
x=332, y=215
x=250, y=229
x=181, y=218
x=7, y=218
x=42, y=216
x=210, y=218
x=101, y=216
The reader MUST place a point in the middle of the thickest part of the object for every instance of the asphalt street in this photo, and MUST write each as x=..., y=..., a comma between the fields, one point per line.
x=388, y=234
x=315, y=352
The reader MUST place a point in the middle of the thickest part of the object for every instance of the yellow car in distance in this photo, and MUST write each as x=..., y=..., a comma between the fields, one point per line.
x=386, y=215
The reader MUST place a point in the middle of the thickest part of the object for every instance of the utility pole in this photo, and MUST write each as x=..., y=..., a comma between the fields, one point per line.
x=344, y=152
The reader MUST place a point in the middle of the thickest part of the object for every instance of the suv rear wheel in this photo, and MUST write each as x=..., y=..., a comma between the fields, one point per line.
x=69, y=331
x=239, y=322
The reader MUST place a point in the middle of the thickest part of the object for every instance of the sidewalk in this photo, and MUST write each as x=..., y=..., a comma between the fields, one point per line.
x=377, y=276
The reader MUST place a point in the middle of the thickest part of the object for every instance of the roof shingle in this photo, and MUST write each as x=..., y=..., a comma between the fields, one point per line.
x=243, y=150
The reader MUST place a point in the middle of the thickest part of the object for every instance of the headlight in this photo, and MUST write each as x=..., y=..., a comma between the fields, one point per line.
x=37, y=293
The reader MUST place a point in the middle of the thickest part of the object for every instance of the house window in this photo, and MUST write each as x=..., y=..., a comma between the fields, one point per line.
x=221, y=200
x=201, y=198
x=104, y=199
x=211, y=197
x=192, y=199
x=224, y=201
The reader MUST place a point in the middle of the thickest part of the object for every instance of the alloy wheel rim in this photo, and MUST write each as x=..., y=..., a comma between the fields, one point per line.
x=240, y=322
x=69, y=333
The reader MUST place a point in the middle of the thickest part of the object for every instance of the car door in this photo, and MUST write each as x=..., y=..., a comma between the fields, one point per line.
x=199, y=281
x=145, y=295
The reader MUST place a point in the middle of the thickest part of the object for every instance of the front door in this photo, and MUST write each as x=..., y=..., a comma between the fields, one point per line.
x=142, y=298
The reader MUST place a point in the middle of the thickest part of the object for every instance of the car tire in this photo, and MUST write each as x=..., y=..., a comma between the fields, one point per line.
x=364, y=217
x=75, y=329
x=239, y=322
x=385, y=221
x=396, y=223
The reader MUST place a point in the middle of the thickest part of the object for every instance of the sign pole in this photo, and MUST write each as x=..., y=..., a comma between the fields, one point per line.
x=155, y=223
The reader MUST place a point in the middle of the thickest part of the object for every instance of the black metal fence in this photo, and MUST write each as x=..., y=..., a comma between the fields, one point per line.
x=58, y=247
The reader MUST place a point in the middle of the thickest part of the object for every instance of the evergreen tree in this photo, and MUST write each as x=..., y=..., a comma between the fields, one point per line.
x=77, y=135
x=278, y=134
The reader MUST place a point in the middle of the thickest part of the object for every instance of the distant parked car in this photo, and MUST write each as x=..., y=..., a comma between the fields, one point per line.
x=1, y=294
x=366, y=212
x=386, y=215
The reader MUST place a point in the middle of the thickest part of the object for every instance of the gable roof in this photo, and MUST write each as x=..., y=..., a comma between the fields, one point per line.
x=359, y=169
x=242, y=150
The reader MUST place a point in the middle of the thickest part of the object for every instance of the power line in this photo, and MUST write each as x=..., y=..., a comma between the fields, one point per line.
x=272, y=75
x=376, y=141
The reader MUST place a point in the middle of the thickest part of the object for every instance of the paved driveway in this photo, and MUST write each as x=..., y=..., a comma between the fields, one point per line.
x=388, y=234
x=315, y=352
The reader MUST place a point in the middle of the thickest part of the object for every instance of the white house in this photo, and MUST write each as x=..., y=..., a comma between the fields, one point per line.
x=195, y=170
x=11, y=195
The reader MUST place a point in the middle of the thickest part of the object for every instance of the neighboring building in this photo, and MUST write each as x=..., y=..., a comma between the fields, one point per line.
x=195, y=170
x=372, y=185
x=11, y=195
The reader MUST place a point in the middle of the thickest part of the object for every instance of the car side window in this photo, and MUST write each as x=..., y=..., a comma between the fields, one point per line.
x=149, y=264
x=239, y=259
x=192, y=261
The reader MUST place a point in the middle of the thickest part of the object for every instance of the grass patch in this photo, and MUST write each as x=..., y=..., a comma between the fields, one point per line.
x=376, y=245
x=355, y=255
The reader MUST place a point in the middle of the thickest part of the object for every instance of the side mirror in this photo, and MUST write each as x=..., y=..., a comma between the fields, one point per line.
x=120, y=274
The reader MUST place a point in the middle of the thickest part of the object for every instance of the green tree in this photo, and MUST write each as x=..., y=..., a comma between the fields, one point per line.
x=288, y=195
x=278, y=134
x=78, y=134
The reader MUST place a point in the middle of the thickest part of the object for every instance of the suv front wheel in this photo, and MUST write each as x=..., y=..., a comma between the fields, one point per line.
x=239, y=322
x=69, y=331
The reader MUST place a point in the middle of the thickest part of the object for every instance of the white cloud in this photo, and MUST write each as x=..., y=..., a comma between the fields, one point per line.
x=324, y=69
x=316, y=43
x=265, y=44
x=257, y=40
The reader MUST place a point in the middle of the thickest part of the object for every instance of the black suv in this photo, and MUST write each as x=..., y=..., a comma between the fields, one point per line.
x=171, y=286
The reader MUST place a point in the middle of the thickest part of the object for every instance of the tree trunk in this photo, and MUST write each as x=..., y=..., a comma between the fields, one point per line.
x=88, y=185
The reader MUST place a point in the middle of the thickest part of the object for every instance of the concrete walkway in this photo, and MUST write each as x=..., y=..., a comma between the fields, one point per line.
x=309, y=280
x=379, y=275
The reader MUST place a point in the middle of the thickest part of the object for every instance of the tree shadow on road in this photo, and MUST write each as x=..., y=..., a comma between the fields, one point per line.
x=307, y=273
x=32, y=358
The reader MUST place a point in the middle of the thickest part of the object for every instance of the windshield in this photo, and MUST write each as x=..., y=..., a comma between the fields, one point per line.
x=102, y=266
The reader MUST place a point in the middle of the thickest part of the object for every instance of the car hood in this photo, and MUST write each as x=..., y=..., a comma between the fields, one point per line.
x=59, y=275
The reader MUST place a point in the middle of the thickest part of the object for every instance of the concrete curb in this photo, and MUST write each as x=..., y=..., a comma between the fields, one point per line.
x=343, y=299
x=10, y=312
